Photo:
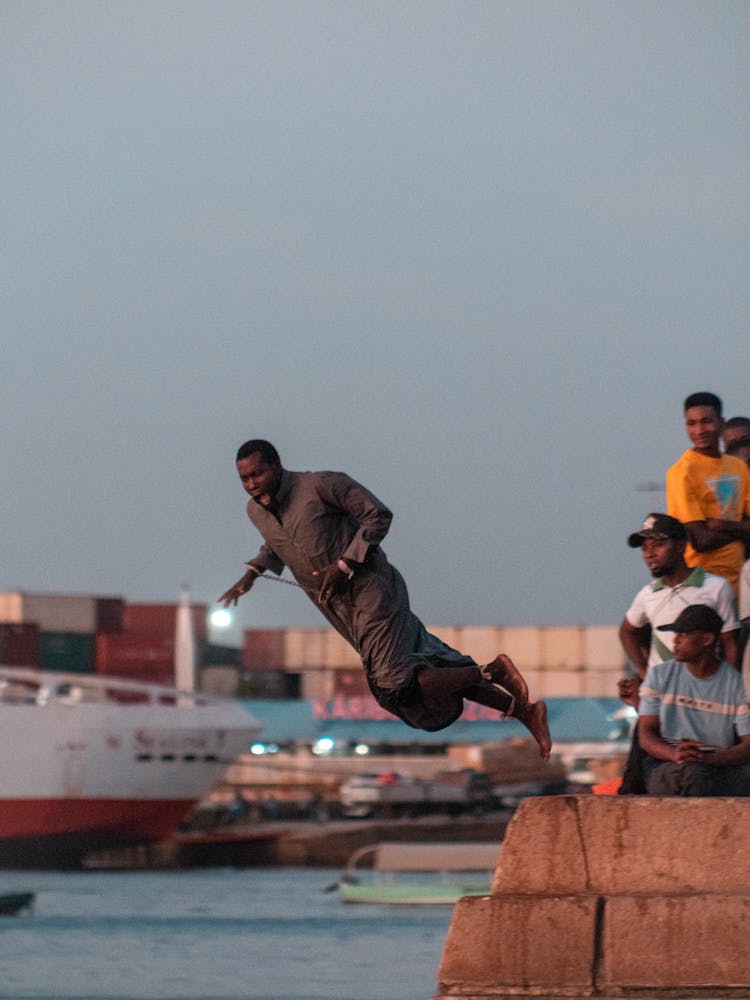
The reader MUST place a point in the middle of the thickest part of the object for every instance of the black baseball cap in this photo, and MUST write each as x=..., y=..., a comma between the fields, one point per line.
x=657, y=526
x=695, y=618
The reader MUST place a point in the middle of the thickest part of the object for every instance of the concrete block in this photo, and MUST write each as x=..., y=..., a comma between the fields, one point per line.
x=628, y=844
x=542, y=849
x=519, y=942
x=675, y=942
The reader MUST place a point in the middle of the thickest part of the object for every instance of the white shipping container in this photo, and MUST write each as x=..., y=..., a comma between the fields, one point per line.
x=602, y=649
x=50, y=612
x=483, y=643
x=303, y=647
x=561, y=648
x=523, y=645
x=601, y=683
x=337, y=653
x=560, y=684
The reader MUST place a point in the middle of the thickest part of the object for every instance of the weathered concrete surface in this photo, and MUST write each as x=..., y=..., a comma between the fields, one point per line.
x=612, y=844
x=607, y=897
x=675, y=941
x=520, y=941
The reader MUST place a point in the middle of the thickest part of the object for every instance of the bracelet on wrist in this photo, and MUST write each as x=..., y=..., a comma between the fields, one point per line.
x=253, y=569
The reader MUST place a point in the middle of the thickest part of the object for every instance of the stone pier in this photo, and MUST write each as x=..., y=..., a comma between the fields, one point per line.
x=606, y=896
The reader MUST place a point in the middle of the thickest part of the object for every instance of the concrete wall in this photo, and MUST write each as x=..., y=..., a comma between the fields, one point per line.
x=608, y=896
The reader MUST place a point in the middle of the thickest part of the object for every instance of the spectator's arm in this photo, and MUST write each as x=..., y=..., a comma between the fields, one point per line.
x=631, y=640
x=730, y=647
x=729, y=756
x=650, y=740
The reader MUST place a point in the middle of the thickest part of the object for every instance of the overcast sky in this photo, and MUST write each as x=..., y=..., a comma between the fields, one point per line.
x=474, y=254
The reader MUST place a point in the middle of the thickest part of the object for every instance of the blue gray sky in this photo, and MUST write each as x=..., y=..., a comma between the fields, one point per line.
x=475, y=254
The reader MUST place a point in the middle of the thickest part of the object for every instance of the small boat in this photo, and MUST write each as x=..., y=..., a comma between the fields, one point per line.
x=433, y=871
x=13, y=903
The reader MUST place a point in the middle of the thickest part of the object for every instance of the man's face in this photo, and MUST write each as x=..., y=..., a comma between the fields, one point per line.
x=689, y=646
x=259, y=478
x=662, y=555
x=737, y=442
x=703, y=425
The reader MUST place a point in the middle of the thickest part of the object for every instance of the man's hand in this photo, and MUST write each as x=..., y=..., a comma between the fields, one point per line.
x=689, y=752
x=333, y=580
x=230, y=597
x=627, y=689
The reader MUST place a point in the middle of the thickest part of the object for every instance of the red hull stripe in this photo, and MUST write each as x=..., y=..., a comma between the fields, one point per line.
x=141, y=820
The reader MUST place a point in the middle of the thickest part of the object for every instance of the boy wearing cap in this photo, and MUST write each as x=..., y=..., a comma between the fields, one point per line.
x=710, y=493
x=694, y=720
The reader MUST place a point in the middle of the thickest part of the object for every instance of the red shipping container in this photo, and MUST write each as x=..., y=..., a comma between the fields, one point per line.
x=124, y=655
x=109, y=614
x=160, y=620
x=263, y=649
x=350, y=683
x=19, y=644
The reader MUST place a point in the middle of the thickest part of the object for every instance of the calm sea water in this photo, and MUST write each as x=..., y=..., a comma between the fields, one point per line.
x=245, y=934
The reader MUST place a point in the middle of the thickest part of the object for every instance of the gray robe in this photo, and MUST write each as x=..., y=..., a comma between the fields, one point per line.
x=320, y=517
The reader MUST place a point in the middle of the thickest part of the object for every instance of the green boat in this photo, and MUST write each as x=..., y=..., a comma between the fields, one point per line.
x=410, y=874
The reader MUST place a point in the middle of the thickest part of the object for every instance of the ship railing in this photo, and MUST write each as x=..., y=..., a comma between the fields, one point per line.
x=19, y=685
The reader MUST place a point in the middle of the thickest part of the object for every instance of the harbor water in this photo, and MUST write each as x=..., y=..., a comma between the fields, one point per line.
x=213, y=934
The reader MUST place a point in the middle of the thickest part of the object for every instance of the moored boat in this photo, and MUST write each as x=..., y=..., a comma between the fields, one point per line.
x=92, y=762
x=13, y=903
x=419, y=873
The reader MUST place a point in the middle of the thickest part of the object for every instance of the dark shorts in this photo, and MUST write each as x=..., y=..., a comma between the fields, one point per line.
x=410, y=705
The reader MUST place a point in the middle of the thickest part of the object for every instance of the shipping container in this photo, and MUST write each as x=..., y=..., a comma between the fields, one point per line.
x=67, y=652
x=264, y=649
x=350, y=683
x=523, y=646
x=209, y=654
x=602, y=648
x=50, y=612
x=159, y=620
x=268, y=684
x=144, y=673
x=316, y=684
x=19, y=644
x=337, y=653
x=124, y=655
x=303, y=648
x=221, y=682
x=109, y=614
x=562, y=648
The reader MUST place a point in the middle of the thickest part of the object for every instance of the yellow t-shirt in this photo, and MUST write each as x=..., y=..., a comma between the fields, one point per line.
x=699, y=487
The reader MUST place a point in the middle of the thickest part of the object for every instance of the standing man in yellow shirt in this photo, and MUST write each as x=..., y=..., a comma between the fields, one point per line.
x=710, y=493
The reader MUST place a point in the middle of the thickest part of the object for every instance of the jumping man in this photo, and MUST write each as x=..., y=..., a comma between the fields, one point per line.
x=327, y=528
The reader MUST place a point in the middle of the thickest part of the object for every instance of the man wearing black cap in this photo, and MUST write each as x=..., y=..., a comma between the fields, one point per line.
x=694, y=719
x=662, y=540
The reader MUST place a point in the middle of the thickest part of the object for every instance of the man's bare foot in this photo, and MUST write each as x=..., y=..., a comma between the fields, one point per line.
x=503, y=671
x=534, y=717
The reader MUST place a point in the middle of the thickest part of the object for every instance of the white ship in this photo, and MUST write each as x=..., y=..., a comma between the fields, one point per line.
x=91, y=761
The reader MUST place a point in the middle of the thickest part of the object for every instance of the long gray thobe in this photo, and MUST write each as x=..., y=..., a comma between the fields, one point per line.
x=320, y=517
